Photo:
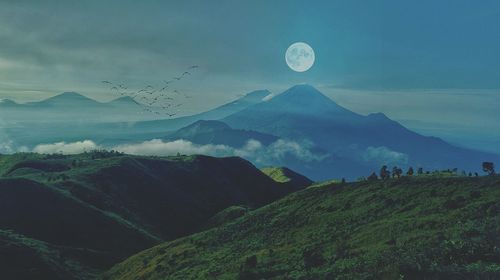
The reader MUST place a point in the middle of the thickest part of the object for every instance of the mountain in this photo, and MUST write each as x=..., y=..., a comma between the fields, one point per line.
x=119, y=121
x=302, y=113
x=421, y=227
x=70, y=107
x=65, y=100
x=74, y=216
x=6, y=103
x=217, y=113
x=216, y=132
x=125, y=100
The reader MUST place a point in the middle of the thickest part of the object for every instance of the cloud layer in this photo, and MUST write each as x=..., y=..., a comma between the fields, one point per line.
x=66, y=148
x=253, y=150
x=384, y=155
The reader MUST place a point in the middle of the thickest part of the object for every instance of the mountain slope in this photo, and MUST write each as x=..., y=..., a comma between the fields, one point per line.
x=411, y=228
x=218, y=133
x=97, y=208
x=303, y=113
x=65, y=100
x=250, y=99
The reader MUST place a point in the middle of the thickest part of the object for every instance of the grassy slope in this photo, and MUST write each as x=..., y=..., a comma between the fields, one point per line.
x=286, y=175
x=110, y=206
x=410, y=228
x=22, y=257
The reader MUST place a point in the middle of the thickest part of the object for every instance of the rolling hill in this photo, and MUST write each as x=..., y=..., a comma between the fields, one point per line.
x=77, y=215
x=421, y=227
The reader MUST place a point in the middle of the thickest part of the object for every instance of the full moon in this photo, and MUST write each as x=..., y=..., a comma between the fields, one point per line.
x=299, y=57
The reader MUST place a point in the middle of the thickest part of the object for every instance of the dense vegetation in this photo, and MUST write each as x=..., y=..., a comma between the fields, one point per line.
x=419, y=227
x=71, y=217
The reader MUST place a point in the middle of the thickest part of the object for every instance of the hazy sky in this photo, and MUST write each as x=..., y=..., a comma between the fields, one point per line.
x=427, y=63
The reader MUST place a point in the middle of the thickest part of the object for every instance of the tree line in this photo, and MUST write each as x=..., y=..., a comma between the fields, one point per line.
x=397, y=172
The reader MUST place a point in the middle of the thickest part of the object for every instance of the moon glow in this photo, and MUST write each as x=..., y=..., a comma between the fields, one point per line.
x=299, y=57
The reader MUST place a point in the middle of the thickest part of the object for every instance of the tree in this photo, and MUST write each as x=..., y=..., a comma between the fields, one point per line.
x=410, y=171
x=396, y=172
x=420, y=171
x=343, y=181
x=384, y=173
x=489, y=167
x=373, y=177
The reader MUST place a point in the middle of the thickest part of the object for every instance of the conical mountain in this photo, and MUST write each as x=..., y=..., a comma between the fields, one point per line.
x=304, y=114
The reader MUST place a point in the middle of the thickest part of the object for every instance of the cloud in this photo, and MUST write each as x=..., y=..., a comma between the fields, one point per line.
x=253, y=150
x=283, y=148
x=384, y=155
x=7, y=145
x=268, y=97
x=66, y=148
x=160, y=148
x=276, y=153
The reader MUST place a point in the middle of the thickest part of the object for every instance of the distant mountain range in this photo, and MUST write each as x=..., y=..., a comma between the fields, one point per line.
x=72, y=106
x=300, y=128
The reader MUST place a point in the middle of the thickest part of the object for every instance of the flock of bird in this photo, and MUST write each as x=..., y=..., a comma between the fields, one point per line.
x=164, y=99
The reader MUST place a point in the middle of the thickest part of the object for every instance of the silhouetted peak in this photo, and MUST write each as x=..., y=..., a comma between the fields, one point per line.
x=7, y=102
x=124, y=99
x=67, y=96
x=256, y=95
x=203, y=126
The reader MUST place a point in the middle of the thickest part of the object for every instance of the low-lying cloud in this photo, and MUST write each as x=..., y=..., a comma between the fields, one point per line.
x=384, y=155
x=160, y=148
x=7, y=145
x=253, y=150
x=66, y=148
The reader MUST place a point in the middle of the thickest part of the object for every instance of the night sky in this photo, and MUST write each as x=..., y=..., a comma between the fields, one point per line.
x=432, y=65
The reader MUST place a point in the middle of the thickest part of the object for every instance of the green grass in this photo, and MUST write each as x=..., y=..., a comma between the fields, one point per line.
x=286, y=176
x=409, y=228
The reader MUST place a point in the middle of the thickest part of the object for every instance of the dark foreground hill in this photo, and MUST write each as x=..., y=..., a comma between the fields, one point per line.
x=70, y=217
x=409, y=228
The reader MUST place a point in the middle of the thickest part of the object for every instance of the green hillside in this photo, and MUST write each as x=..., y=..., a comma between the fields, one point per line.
x=286, y=175
x=76, y=216
x=408, y=228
